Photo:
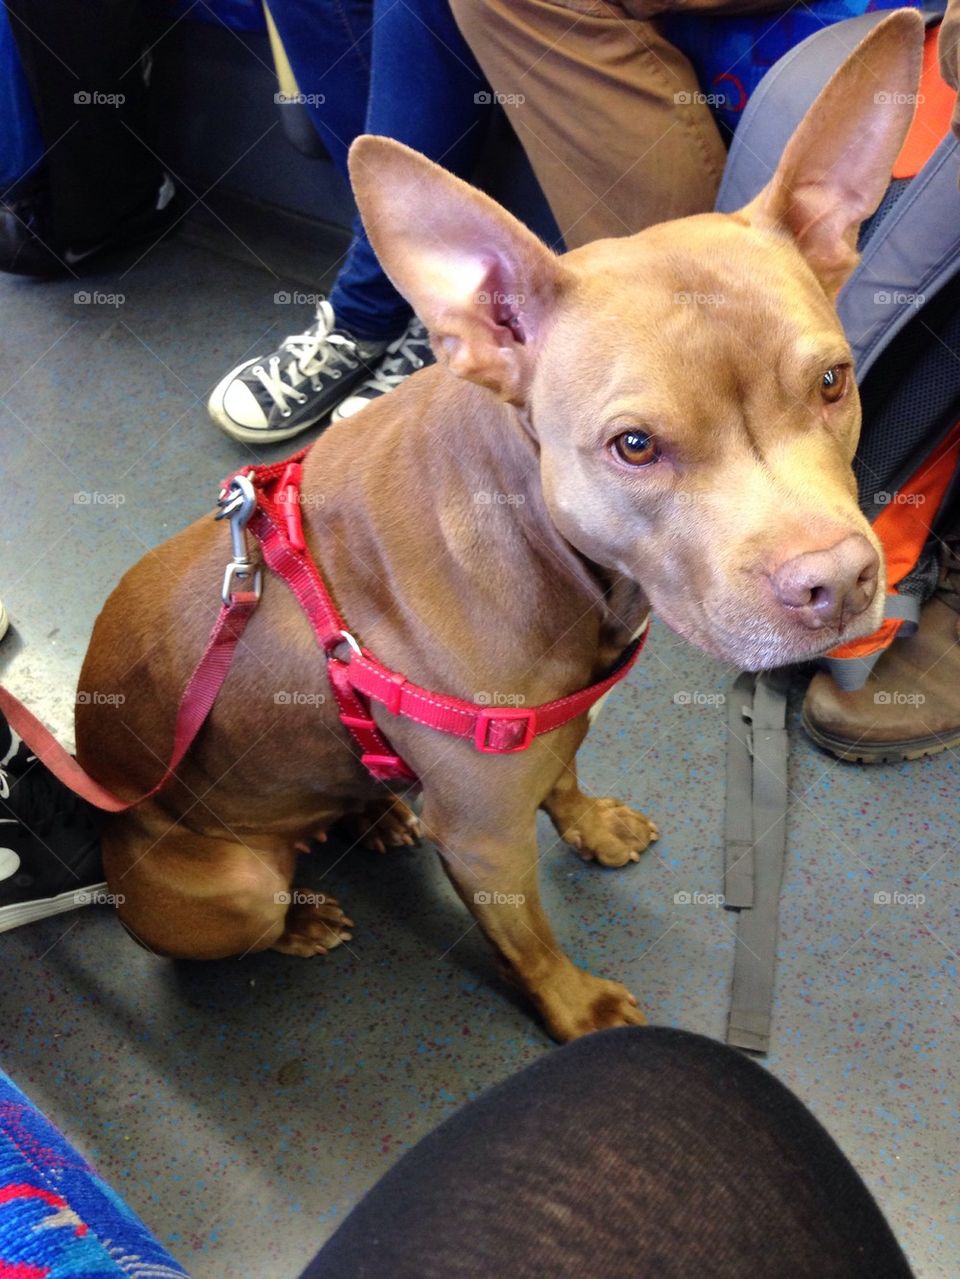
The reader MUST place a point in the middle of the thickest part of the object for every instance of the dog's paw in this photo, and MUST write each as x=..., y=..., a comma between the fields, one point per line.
x=314, y=924
x=610, y=833
x=388, y=823
x=583, y=1003
x=315, y=837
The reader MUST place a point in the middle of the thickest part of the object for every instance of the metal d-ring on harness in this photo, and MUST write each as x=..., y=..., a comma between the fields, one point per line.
x=236, y=502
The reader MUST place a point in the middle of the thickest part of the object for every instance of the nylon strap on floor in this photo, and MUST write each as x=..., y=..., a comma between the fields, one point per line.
x=755, y=845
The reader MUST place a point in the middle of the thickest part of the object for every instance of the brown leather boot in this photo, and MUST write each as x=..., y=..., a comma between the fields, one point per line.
x=910, y=705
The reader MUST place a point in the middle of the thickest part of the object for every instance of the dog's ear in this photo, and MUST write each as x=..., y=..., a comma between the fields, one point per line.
x=482, y=283
x=836, y=167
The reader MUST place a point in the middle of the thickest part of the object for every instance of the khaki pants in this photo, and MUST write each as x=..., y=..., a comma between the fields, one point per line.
x=605, y=108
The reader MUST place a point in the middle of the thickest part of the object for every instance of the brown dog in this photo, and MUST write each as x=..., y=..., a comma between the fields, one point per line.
x=667, y=419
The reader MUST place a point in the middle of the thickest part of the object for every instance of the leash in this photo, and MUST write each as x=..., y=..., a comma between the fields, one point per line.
x=198, y=697
x=266, y=502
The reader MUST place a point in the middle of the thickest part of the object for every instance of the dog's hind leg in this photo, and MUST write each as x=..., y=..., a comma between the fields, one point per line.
x=601, y=829
x=192, y=896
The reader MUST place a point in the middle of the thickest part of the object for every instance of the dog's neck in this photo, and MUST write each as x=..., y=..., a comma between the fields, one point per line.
x=624, y=607
x=441, y=467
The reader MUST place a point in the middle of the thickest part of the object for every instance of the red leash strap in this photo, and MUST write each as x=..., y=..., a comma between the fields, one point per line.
x=195, y=704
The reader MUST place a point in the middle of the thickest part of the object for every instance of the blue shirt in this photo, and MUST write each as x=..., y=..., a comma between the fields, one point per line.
x=731, y=53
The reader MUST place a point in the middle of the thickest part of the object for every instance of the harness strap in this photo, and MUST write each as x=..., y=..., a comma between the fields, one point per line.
x=284, y=552
x=195, y=705
x=493, y=730
x=358, y=677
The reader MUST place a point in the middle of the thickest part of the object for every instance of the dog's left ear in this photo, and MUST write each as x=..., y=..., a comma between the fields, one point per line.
x=836, y=167
x=482, y=283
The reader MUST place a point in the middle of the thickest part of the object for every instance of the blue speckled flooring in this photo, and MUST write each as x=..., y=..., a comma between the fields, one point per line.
x=242, y=1107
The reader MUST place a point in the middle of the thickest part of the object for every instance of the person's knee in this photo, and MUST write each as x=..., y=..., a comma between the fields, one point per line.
x=640, y=1070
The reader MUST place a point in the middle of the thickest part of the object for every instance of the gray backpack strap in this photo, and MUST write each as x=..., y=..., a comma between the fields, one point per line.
x=755, y=958
x=738, y=829
x=851, y=673
x=909, y=259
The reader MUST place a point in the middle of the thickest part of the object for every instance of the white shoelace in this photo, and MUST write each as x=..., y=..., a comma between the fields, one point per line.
x=400, y=355
x=308, y=354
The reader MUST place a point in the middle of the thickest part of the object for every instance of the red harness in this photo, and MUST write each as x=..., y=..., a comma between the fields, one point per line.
x=266, y=500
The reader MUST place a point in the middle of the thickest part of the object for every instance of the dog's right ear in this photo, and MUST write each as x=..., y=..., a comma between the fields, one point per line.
x=482, y=283
x=836, y=167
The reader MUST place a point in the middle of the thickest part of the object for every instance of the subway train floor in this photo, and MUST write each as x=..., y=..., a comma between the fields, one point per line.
x=242, y=1107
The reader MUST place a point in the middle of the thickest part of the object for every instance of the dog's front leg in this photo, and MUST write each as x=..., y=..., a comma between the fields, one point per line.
x=496, y=876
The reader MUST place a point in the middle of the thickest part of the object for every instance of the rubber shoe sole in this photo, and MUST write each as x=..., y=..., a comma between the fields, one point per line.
x=253, y=434
x=19, y=913
x=878, y=752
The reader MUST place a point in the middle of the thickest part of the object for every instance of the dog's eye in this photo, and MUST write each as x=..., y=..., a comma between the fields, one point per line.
x=636, y=448
x=833, y=384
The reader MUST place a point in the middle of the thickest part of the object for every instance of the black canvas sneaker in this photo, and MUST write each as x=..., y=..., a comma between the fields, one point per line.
x=407, y=353
x=273, y=398
x=49, y=846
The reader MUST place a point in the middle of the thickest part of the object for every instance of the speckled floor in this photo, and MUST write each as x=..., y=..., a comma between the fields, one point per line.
x=242, y=1107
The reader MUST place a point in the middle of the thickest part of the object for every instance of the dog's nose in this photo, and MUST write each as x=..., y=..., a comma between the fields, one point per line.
x=829, y=588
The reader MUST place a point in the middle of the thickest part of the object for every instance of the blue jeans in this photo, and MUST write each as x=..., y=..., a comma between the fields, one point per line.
x=394, y=67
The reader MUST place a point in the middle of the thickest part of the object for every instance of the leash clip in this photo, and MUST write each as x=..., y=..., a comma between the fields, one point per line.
x=237, y=501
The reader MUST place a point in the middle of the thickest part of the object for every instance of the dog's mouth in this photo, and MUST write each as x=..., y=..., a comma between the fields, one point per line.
x=754, y=640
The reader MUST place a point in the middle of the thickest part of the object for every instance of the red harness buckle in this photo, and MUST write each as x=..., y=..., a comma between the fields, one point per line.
x=487, y=717
x=388, y=768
